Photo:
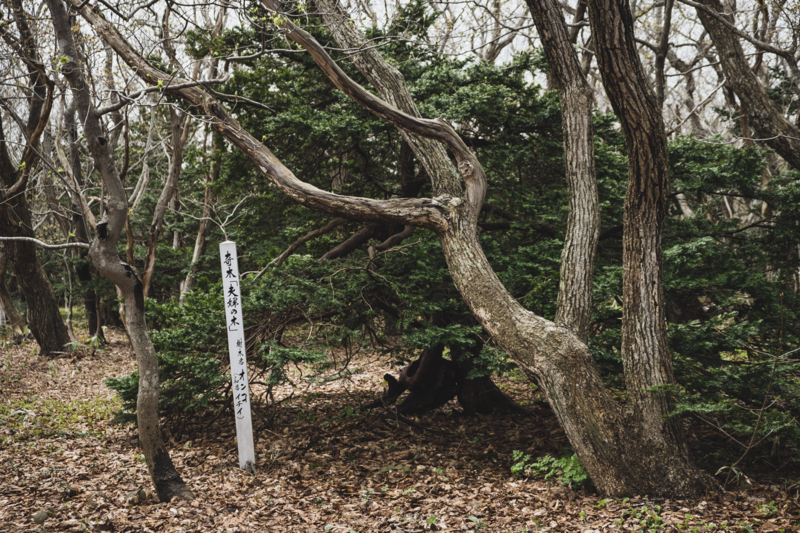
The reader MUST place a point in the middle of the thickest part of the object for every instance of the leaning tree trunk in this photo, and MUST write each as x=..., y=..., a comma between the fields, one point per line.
x=103, y=253
x=612, y=442
x=83, y=269
x=765, y=116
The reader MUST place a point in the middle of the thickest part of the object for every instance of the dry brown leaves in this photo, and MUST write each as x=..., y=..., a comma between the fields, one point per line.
x=323, y=466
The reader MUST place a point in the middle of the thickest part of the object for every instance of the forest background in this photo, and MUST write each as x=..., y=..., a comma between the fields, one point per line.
x=323, y=286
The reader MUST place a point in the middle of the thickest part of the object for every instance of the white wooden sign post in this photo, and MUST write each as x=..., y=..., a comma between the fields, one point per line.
x=236, y=347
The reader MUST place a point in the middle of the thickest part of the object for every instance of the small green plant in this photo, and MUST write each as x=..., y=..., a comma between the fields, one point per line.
x=431, y=520
x=480, y=525
x=519, y=463
x=567, y=470
x=412, y=490
x=768, y=510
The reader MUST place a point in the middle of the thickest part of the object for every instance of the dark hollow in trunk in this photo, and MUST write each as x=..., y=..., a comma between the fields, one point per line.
x=432, y=381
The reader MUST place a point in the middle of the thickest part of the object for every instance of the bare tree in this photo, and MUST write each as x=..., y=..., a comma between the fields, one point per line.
x=45, y=320
x=103, y=253
x=764, y=115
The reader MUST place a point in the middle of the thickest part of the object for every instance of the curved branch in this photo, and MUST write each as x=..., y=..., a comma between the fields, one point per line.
x=394, y=240
x=437, y=129
x=744, y=35
x=132, y=97
x=422, y=212
x=764, y=115
x=278, y=261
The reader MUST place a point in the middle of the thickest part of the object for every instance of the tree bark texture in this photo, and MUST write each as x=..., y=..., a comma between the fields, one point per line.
x=103, y=253
x=574, y=306
x=78, y=201
x=15, y=320
x=765, y=116
x=645, y=352
x=612, y=442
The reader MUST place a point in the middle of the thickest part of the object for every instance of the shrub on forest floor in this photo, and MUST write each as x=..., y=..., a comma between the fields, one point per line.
x=193, y=356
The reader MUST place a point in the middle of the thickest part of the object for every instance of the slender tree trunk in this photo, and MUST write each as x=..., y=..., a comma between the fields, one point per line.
x=205, y=221
x=180, y=132
x=44, y=315
x=15, y=320
x=645, y=352
x=103, y=252
x=77, y=200
x=574, y=306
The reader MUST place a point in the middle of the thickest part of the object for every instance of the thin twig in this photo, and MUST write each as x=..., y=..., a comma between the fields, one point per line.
x=48, y=246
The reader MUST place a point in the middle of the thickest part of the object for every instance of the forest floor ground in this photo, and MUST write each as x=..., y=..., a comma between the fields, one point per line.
x=323, y=465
